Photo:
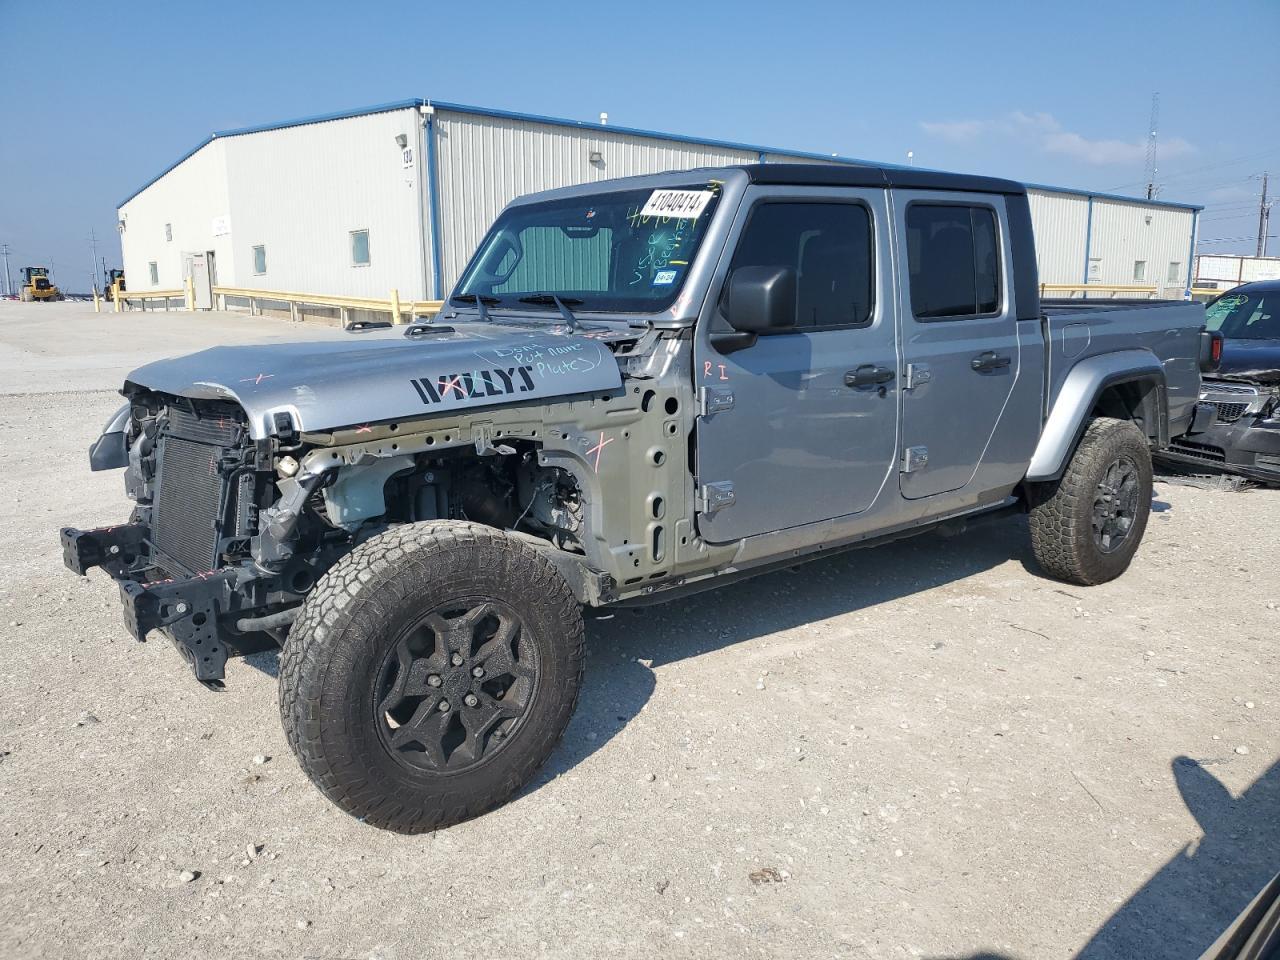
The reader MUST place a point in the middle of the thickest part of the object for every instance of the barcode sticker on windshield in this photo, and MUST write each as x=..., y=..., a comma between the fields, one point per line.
x=682, y=204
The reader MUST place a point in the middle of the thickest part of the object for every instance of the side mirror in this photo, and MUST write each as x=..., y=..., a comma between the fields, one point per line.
x=761, y=299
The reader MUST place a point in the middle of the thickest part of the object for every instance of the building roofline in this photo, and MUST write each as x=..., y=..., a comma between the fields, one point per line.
x=1100, y=195
x=596, y=127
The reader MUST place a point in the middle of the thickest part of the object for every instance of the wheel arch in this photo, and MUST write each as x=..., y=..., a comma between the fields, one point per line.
x=1127, y=385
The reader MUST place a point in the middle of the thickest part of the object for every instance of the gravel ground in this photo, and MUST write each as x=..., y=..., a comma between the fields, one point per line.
x=926, y=749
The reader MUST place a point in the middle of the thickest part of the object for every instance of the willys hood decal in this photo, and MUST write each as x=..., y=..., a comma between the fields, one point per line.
x=367, y=378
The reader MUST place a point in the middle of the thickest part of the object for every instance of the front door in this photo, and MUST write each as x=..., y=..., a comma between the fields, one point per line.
x=801, y=426
x=201, y=281
x=959, y=336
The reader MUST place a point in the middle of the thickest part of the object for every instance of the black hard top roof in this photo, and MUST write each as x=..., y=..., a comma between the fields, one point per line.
x=847, y=175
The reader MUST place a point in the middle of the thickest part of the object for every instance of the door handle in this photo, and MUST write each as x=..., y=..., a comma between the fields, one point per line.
x=868, y=375
x=984, y=362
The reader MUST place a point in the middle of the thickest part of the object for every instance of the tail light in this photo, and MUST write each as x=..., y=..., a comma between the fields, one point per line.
x=1210, y=350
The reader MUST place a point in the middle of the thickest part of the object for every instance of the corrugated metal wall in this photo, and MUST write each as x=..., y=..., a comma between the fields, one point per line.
x=188, y=198
x=1120, y=235
x=1059, y=221
x=485, y=162
x=1128, y=233
x=301, y=191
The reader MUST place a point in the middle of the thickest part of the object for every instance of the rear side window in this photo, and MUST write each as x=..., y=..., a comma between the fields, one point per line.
x=829, y=247
x=953, y=256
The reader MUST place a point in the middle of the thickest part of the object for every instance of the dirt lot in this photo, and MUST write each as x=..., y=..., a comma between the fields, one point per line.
x=925, y=750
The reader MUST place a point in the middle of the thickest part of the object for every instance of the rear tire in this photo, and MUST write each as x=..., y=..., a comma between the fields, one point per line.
x=431, y=673
x=1087, y=525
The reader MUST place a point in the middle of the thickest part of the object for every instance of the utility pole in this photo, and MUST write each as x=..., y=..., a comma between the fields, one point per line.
x=1152, y=189
x=93, y=260
x=8, y=283
x=1264, y=219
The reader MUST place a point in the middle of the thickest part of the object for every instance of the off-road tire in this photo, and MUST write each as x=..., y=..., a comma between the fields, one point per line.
x=334, y=653
x=1062, y=511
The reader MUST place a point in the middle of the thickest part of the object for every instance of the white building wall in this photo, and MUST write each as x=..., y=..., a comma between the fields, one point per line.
x=300, y=191
x=189, y=198
x=1125, y=233
x=485, y=162
x=1059, y=221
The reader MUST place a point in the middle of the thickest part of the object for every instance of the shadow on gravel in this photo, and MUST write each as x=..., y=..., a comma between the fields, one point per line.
x=268, y=662
x=1187, y=904
x=617, y=687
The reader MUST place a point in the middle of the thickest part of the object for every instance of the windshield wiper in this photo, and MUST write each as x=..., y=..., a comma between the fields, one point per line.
x=562, y=303
x=480, y=300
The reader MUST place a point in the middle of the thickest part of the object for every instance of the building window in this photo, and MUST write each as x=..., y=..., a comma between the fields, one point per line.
x=953, y=257
x=155, y=273
x=259, y=260
x=1139, y=271
x=1175, y=272
x=828, y=245
x=168, y=232
x=359, y=248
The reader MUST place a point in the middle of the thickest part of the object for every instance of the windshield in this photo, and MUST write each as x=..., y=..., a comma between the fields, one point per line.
x=1246, y=315
x=622, y=252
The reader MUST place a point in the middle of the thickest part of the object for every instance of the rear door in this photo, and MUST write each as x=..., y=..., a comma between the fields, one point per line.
x=785, y=436
x=959, y=336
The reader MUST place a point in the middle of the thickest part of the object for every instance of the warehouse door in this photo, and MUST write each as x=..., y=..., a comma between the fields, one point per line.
x=198, y=268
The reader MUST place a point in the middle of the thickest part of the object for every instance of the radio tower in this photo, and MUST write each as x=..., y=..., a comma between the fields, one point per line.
x=1152, y=189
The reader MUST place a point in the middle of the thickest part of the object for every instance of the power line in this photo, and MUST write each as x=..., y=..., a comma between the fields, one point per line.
x=1234, y=239
x=1211, y=166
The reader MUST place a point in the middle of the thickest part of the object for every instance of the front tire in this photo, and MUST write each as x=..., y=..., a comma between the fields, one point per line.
x=431, y=673
x=1086, y=526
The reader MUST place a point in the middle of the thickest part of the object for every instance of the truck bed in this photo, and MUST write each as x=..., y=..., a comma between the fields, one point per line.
x=1064, y=305
x=1167, y=330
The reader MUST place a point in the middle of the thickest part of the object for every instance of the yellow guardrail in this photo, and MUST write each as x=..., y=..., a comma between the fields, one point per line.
x=401, y=311
x=142, y=296
x=1132, y=290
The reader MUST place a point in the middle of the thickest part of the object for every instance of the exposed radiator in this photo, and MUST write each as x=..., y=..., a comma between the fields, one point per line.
x=189, y=511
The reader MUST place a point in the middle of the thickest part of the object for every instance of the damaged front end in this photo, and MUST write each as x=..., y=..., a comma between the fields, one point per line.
x=1244, y=436
x=204, y=558
x=229, y=532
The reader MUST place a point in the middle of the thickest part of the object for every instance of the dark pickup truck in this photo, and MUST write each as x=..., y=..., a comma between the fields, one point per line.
x=1244, y=390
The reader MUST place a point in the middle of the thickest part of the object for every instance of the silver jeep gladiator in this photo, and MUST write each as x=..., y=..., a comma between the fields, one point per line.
x=638, y=389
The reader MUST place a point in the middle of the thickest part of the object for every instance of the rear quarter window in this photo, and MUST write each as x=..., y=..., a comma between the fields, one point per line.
x=953, y=259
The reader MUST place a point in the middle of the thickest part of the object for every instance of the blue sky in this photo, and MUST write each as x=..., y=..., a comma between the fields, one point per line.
x=1051, y=93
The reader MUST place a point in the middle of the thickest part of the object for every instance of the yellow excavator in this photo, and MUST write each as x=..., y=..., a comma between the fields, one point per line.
x=36, y=285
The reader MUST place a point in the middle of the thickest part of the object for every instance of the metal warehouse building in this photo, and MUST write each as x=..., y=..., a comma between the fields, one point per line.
x=399, y=195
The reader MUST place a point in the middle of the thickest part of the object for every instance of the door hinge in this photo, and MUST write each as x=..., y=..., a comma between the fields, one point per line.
x=715, y=496
x=712, y=400
x=917, y=373
x=914, y=458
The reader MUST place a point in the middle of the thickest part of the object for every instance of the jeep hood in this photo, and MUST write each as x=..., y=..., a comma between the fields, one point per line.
x=373, y=377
